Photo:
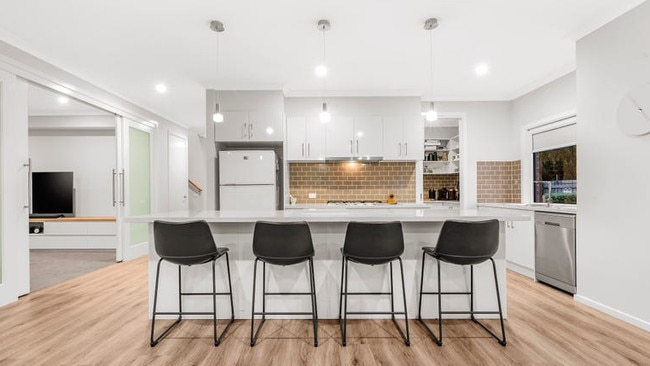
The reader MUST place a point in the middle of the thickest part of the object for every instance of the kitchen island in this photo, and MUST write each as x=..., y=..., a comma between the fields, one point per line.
x=234, y=230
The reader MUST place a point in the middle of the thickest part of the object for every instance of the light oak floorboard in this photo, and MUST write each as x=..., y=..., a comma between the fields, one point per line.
x=101, y=319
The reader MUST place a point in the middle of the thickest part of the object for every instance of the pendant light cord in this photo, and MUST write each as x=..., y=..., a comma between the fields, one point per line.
x=216, y=82
x=324, y=64
x=431, y=60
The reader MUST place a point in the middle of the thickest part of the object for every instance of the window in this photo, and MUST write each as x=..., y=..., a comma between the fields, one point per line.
x=554, y=162
x=555, y=175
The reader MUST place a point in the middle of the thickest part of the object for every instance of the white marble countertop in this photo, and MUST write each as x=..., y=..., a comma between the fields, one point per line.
x=541, y=207
x=336, y=215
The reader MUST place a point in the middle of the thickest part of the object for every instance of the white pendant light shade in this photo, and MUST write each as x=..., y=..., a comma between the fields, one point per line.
x=217, y=116
x=431, y=115
x=324, y=114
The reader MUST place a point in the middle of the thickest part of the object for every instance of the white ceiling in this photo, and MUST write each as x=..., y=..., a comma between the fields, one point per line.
x=375, y=47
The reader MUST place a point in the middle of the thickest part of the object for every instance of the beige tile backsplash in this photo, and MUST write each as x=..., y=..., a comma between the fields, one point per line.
x=352, y=181
x=498, y=181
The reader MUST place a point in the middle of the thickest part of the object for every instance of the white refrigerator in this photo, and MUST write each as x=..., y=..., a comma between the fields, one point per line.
x=247, y=180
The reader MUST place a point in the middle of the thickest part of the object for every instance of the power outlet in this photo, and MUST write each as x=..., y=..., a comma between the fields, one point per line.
x=312, y=195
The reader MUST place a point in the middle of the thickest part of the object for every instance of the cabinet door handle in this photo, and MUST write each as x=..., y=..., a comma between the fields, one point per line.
x=243, y=131
x=303, y=149
x=399, y=149
x=351, y=147
x=357, y=147
x=250, y=130
x=406, y=148
x=309, y=149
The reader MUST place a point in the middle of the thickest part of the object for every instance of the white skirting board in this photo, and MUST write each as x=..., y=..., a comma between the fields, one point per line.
x=520, y=269
x=613, y=312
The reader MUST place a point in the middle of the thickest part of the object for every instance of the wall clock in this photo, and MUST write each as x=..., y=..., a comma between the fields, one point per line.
x=633, y=114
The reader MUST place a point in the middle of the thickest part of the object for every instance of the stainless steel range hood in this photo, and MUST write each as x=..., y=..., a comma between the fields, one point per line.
x=361, y=159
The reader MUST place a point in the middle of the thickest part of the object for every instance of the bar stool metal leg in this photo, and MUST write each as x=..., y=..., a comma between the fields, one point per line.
x=407, y=339
x=232, y=305
x=314, y=306
x=253, y=331
x=472, y=312
x=153, y=342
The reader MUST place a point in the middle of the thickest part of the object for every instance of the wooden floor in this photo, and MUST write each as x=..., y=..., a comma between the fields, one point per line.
x=101, y=319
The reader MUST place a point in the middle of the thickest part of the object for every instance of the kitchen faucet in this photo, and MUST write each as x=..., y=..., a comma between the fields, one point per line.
x=548, y=200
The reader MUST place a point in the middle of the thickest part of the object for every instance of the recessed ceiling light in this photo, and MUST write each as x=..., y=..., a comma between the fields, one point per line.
x=161, y=88
x=63, y=100
x=481, y=69
x=321, y=70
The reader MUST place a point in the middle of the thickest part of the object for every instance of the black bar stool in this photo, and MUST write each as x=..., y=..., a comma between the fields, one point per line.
x=372, y=244
x=283, y=244
x=464, y=243
x=187, y=244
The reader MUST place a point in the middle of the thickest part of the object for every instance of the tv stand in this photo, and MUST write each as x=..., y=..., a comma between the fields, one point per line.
x=78, y=232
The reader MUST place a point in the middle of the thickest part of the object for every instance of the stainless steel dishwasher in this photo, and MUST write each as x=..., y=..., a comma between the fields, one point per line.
x=555, y=250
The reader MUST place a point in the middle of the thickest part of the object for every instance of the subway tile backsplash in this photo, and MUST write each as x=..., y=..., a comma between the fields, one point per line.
x=352, y=181
x=498, y=181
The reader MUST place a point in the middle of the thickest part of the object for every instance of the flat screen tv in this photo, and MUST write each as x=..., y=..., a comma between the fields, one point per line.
x=52, y=194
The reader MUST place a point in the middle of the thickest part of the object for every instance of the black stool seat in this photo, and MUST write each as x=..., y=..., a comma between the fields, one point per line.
x=372, y=244
x=283, y=244
x=187, y=244
x=197, y=259
x=464, y=243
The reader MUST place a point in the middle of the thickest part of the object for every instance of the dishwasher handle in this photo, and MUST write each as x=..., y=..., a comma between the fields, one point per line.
x=551, y=223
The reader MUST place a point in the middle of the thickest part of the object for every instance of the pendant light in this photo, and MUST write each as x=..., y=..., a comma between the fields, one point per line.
x=217, y=116
x=321, y=71
x=431, y=24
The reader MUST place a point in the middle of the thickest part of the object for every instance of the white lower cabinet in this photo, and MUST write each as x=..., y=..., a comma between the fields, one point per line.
x=520, y=244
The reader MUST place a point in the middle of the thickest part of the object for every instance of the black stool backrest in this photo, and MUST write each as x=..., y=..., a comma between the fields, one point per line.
x=183, y=242
x=282, y=243
x=468, y=242
x=366, y=240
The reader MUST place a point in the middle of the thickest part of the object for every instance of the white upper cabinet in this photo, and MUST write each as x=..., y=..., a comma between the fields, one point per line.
x=403, y=138
x=339, y=136
x=250, y=126
x=368, y=134
x=359, y=136
x=265, y=126
x=250, y=116
x=305, y=139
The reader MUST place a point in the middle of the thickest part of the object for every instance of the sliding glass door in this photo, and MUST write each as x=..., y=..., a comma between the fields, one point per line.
x=132, y=188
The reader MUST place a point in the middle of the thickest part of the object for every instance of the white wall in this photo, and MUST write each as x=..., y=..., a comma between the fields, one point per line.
x=486, y=134
x=554, y=98
x=551, y=102
x=88, y=149
x=614, y=184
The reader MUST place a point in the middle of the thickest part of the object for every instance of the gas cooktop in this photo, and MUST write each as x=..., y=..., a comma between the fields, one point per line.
x=353, y=203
